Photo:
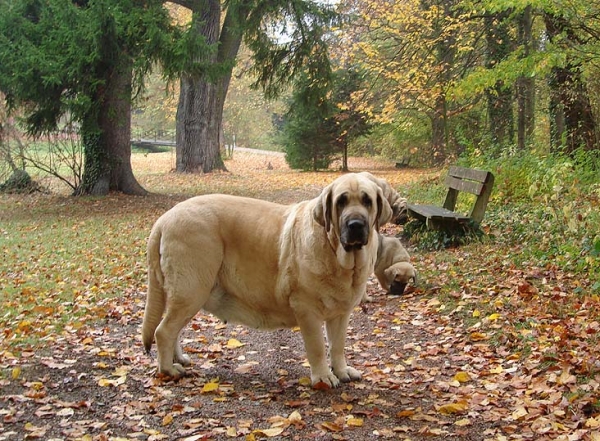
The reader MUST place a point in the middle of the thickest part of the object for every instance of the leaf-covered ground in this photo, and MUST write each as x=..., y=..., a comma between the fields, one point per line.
x=481, y=349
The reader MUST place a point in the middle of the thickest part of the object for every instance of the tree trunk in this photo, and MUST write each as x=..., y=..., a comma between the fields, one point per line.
x=525, y=87
x=345, y=157
x=557, y=121
x=201, y=99
x=438, y=131
x=115, y=124
x=106, y=137
x=499, y=97
x=198, y=125
x=500, y=114
x=573, y=121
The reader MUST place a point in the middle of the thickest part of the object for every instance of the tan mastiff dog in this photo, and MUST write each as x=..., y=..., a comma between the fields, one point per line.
x=392, y=267
x=267, y=266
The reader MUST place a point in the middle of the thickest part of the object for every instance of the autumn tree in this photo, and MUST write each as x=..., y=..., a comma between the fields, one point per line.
x=572, y=123
x=81, y=60
x=447, y=59
x=499, y=97
x=415, y=54
x=280, y=34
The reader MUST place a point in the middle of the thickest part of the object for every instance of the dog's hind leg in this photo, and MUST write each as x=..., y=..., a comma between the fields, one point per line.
x=186, y=294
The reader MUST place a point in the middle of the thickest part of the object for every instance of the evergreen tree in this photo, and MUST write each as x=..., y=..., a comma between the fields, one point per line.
x=319, y=125
x=82, y=60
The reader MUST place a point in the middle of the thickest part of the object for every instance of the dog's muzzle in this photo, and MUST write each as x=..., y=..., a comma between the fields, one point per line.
x=397, y=288
x=355, y=234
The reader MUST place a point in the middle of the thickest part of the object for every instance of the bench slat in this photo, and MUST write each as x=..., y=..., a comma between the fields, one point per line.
x=467, y=186
x=468, y=173
x=433, y=211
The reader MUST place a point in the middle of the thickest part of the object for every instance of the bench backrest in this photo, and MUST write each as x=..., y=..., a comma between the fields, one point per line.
x=477, y=182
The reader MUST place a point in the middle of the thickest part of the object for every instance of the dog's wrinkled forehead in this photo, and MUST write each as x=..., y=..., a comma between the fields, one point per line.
x=354, y=190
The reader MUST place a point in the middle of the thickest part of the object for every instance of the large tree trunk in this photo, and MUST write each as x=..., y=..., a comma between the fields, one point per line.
x=198, y=125
x=202, y=99
x=115, y=124
x=572, y=120
x=198, y=122
x=445, y=53
x=106, y=137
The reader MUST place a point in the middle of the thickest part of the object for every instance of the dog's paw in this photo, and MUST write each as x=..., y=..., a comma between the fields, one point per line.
x=326, y=381
x=183, y=360
x=176, y=371
x=348, y=374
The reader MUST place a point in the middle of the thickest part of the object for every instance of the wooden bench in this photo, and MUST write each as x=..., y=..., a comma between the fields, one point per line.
x=477, y=182
x=404, y=162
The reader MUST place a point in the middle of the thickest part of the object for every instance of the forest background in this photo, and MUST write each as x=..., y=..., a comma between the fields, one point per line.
x=501, y=336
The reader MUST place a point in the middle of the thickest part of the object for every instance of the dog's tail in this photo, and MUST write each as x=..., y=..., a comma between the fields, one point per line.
x=155, y=299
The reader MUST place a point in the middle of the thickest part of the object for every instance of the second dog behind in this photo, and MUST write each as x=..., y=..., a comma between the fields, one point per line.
x=393, y=269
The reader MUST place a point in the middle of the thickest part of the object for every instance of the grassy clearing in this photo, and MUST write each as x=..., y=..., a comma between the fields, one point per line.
x=63, y=259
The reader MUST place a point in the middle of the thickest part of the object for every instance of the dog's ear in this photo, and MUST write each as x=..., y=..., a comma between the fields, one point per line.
x=390, y=276
x=384, y=211
x=322, y=210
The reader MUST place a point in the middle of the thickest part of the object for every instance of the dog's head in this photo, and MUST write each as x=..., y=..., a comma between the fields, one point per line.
x=352, y=205
x=398, y=276
x=350, y=209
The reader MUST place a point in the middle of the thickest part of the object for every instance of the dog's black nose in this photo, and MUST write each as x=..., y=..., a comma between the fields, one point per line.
x=397, y=288
x=356, y=224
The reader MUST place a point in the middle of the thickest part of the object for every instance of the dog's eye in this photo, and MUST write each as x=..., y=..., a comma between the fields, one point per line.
x=342, y=200
x=366, y=200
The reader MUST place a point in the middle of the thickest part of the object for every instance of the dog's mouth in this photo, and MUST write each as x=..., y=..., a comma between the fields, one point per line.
x=349, y=247
x=397, y=288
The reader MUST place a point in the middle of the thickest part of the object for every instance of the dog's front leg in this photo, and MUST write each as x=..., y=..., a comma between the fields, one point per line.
x=336, y=334
x=314, y=343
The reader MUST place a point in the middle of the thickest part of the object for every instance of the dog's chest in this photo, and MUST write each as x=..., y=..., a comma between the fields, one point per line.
x=343, y=292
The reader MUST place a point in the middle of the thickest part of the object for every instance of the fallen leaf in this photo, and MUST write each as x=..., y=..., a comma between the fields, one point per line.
x=321, y=385
x=355, y=422
x=211, y=386
x=276, y=431
x=304, y=381
x=519, y=413
x=232, y=343
x=295, y=417
x=478, y=336
x=405, y=413
x=462, y=377
x=453, y=408
x=332, y=427
x=16, y=372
